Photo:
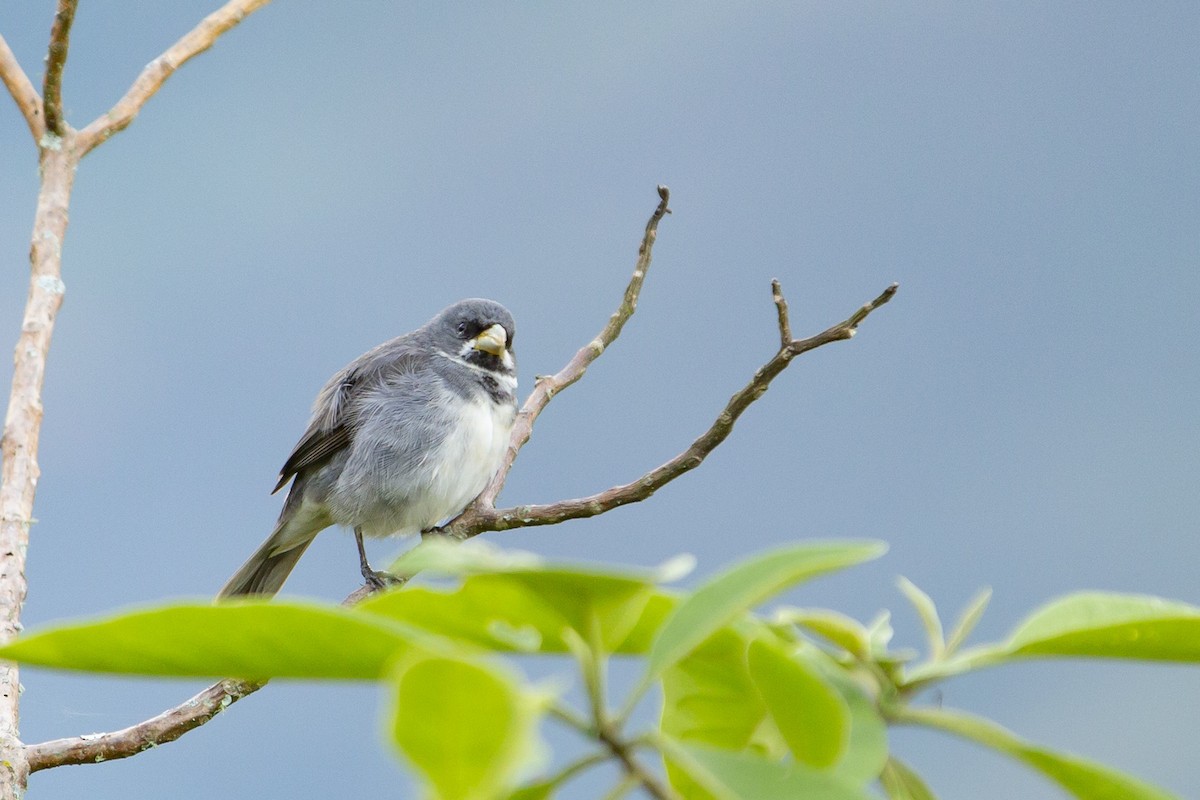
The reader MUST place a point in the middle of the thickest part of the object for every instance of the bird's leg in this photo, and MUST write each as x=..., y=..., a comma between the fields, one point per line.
x=376, y=579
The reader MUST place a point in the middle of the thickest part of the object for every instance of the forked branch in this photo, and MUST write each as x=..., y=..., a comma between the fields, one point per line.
x=476, y=519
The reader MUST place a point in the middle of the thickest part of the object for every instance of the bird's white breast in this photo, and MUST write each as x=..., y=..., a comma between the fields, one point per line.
x=464, y=463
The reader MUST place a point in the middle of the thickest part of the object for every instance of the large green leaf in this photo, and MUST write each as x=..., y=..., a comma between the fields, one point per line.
x=527, y=610
x=468, y=726
x=711, y=698
x=811, y=715
x=744, y=776
x=730, y=594
x=1109, y=625
x=242, y=639
x=867, y=747
x=1084, y=779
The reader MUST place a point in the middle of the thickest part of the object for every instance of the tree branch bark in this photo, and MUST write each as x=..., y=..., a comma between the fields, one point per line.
x=29, y=103
x=155, y=74
x=56, y=61
x=22, y=429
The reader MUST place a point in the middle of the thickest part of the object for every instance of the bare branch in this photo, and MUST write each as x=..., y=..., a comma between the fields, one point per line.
x=166, y=727
x=479, y=520
x=157, y=71
x=22, y=91
x=550, y=385
x=56, y=60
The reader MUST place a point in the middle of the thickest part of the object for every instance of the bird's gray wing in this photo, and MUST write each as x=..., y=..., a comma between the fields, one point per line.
x=334, y=413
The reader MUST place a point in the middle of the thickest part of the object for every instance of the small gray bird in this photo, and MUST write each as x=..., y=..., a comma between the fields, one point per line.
x=403, y=437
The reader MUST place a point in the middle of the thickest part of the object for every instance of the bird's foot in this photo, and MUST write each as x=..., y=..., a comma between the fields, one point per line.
x=378, y=580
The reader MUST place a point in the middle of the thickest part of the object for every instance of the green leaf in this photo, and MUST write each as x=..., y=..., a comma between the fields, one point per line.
x=710, y=697
x=901, y=783
x=528, y=610
x=812, y=717
x=252, y=639
x=1106, y=625
x=641, y=636
x=1084, y=779
x=843, y=631
x=730, y=594
x=968, y=620
x=741, y=776
x=927, y=611
x=867, y=748
x=467, y=726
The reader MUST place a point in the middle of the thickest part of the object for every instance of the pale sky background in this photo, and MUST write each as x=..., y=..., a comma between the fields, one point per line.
x=1023, y=415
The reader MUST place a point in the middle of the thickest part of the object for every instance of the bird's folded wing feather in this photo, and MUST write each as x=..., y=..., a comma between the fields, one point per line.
x=315, y=447
x=332, y=425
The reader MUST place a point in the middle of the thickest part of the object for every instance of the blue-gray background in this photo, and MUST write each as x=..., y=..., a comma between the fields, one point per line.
x=1023, y=415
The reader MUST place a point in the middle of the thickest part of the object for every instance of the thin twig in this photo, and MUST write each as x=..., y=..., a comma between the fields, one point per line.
x=22, y=91
x=478, y=520
x=157, y=71
x=781, y=309
x=56, y=60
x=166, y=727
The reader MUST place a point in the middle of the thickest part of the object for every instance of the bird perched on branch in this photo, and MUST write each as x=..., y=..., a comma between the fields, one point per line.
x=403, y=437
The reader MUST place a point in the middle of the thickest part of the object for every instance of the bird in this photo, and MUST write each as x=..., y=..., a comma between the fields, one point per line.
x=400, y=439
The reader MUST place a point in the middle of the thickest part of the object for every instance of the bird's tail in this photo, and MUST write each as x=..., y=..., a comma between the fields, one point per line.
x=265, y=571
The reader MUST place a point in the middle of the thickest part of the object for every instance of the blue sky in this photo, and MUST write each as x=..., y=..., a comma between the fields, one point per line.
x=1022, y=416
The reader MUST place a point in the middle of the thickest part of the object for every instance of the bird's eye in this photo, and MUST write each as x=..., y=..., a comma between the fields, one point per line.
x=462, y=328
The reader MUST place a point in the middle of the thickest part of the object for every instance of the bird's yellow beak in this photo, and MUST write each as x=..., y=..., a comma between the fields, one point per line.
x=492, y=340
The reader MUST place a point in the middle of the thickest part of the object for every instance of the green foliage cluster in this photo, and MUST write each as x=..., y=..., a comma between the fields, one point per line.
x=787, y=704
